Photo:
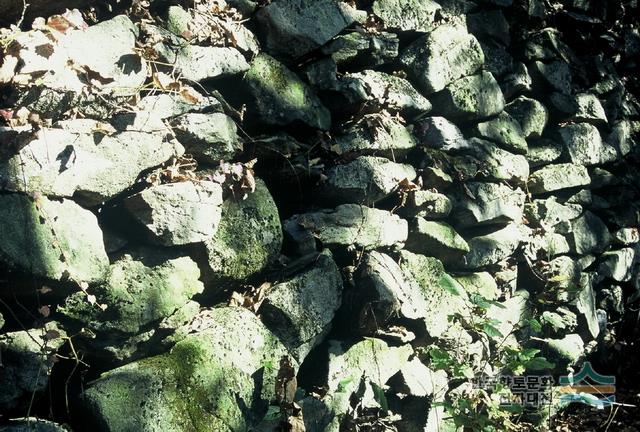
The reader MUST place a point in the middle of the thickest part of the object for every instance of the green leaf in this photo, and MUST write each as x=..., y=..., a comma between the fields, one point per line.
x=540, y=363
x=342, y=385
x=529, y=353
x=273, y=413
x=451, y=285
x=380, y=397
x=535, y=325
x=491, y=331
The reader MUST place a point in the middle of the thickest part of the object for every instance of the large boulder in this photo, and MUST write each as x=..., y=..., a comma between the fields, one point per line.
x=86, y=159
x=584, y=146
x=57, y=240
x=178, y=213
x=376, y=133
x=407, y=15
x=488, y=203
x=442, y=56
x=280, y=97
x=208, y=137
x=556, y=177
x=248, y=238
x=589, y=234
x=490, y=249
x=221, y=377
x=300, y=310
x=530, y=114
x=437, y=239
x=198, y=63
x=474, y=97
x=503, y=130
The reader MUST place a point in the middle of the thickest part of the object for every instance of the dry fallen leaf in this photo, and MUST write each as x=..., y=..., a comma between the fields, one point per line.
x=45, y=311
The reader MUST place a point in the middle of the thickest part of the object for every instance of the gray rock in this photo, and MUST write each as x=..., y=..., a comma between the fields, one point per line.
x=601, y=178
x=627, y=236
x=426, y=204
x=32, y=424
x=436, y=178
x=584, y=145
x=481, y=283
x=558, y=322
x=178, y=213
x=440, y=133
x=375, y=133
x=363, y=49
x=497, y=163
x=346, y=225
x=365, y=180
x=585, y=304
x=618, y=265
x=198, y=63
x=621, y=138
x=498, y=60
x=556, y=177
x=280, y=97
x=511, y=316
x=543, y=152
x=503, y=130
x=138, y=294
x=566, y=352
x=167, y=105
x=439, y=295
x=474, y=97
x=548, y=213
x=589, y=109
x=612, y=300
x=489, y=24
x=209, y=138
x=437, y=239
x=300, y=310
x=27, y=359
x=248, y=238
x=490, y=249
x=517, y=82
x=57, y=240
x=87, y=160
x=555, y=74
x=488, y=203
x=530, y=114
x=385, y=89
x=221, y=377
x=296, y=27
x=441, y=57
x=588, y=235
x=407, y=15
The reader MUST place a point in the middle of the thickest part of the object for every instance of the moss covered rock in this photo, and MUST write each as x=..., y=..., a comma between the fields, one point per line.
x=219, y=378
x=249, y=238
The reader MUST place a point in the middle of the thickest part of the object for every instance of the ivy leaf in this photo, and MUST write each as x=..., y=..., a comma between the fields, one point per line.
x=539, y=363
x=451, y=285
x=491, y=331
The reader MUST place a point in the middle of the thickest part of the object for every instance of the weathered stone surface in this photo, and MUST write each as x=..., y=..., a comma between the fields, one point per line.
x=585, y=304
x=407, y=15
x=438, y=239
x=366, y=180
x=489, y=24
x=555, y=74
x=589, y=109
x=549, y=213
x=481, y=283
x=517, y=82
x=375, y=133
x=386, y=89
x=618, y=265
x=441, y=296
x=440, y=133
x=347, y=224
x=498, y=60
x=503, y=130
x=588, y=235
x=530, y=114
x=198, y=63
x=490, y=249
x=556, y=177
x=280, y=97
x=295, y=27
x=442, y=56
x=627, y=236
x=27, y=359
x=543, y=152
x=167, y=105
x=497, y=163
x=488, y=203
x=56, y=240
x=584, y=145
x=474, y=97
x=221, y=378
x=178, y=213
x=427, y=204
x=565, y=352
x=363, y=49
x=300, y=310
x=137, y=294
x=208, y=138
x=85, y=159
x=249, y=238
x=558, y=322
x=32, y=424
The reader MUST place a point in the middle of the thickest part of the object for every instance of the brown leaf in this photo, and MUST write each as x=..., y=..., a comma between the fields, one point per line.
x=45, y=311
x=51, y=335
x=44, y=50
x=190, y=95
